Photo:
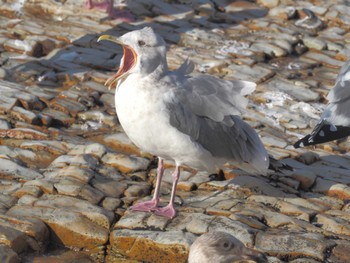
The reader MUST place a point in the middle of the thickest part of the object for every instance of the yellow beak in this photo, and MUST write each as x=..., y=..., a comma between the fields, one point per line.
x=110, y=38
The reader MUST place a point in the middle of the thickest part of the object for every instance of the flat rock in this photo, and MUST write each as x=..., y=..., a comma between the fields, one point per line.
x=301, y=92
x=6, y=104
x=70, y=228
x=120, y=141
x=296, y=244
x=333, y=224
x=24, y=115
x=151, y=246
x=331, y=188
x=125, y=163
x=12, y=170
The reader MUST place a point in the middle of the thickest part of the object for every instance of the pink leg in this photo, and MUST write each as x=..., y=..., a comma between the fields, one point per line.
x=108, y=5
x=152, y=204
x=89, y=4
x=169, y=210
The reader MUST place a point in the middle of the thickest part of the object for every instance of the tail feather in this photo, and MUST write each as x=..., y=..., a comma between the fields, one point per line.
x=323, y=132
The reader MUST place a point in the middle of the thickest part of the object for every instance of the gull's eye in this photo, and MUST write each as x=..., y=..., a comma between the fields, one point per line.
x=227, y=245
x=141, y=43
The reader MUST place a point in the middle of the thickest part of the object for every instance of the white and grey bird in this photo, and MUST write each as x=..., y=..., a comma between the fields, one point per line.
x=193, y=121
x=335, y=120
x=222, y=247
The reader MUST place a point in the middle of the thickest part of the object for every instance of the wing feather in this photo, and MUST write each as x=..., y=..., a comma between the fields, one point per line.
x=230, y=139
x=214, y=98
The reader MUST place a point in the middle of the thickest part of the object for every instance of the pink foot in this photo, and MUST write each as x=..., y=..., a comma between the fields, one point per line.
x=167, y=211
x=101, y=5
x=147, y=206
x=122, y=15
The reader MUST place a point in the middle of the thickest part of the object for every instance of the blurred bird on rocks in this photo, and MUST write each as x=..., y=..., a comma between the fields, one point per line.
x=192, y=120
x=335, y=119
x=113, y=13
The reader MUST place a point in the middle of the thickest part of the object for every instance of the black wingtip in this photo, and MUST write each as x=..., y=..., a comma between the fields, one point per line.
x=323, y=133
x=302, y=142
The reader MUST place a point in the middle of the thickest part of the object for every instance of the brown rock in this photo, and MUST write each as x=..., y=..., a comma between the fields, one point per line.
x=340, y=252
x=8, y=255
x=26, y=133
x=13, y=238
x=151, y=246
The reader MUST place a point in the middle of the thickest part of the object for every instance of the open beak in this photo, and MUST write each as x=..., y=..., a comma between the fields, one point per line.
x=128, y=60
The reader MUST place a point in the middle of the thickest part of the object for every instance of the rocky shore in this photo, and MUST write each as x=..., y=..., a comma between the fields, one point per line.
x=68, y=173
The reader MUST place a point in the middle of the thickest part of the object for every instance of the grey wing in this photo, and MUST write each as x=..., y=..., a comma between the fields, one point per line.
x=341, y=89
x=337, y=111
x=231, y=139
x=212, y=97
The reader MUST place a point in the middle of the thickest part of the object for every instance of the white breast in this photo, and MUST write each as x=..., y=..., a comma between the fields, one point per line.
x=143, y=115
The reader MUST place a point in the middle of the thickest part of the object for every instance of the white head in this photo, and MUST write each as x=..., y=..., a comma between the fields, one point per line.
x=144, y=52
x=221, y=247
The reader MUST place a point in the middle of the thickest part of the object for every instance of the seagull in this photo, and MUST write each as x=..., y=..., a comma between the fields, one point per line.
x=335, y=120
x=192, y=120
x=221, y=247
x=108, y=5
